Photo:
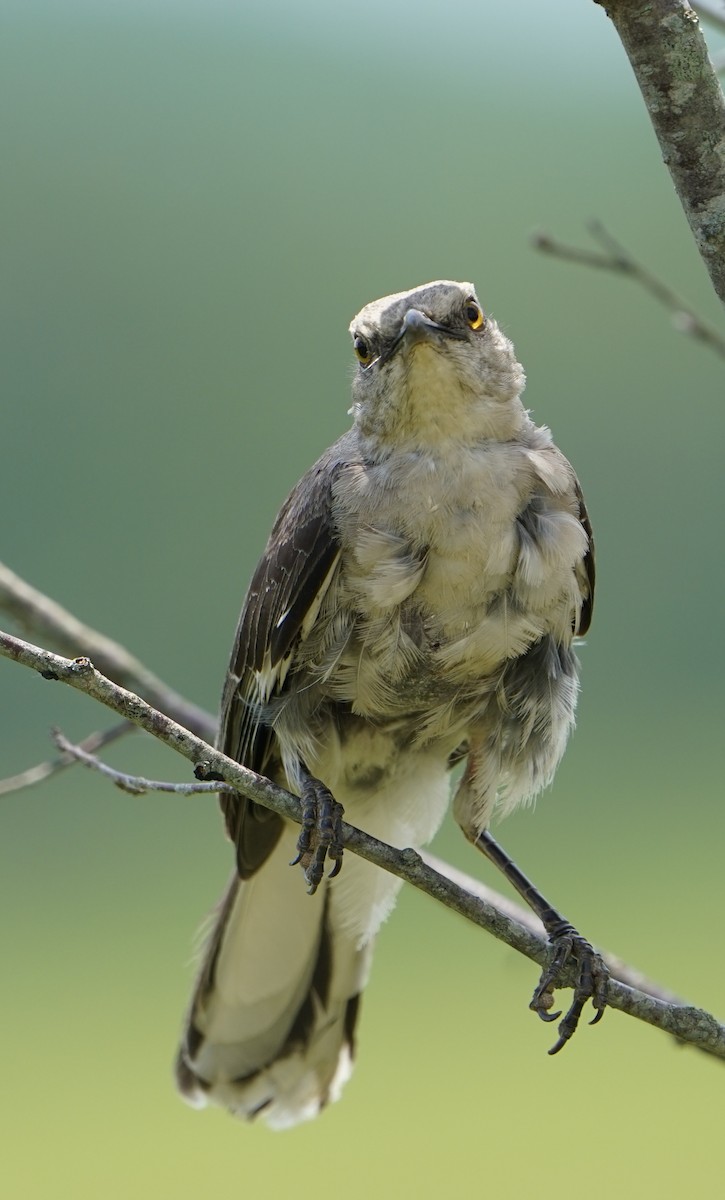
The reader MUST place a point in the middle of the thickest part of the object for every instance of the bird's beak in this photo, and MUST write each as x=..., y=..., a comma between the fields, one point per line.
x=417, y=328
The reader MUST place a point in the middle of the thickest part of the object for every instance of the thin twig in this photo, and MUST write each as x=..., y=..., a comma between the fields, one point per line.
x=714, y=13
x=136, y=785
x=36, y=613
x=687, y=1023
x=42, y=771
x=614, y=257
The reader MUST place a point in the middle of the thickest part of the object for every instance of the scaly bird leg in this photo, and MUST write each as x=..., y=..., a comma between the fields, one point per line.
x=566, y=943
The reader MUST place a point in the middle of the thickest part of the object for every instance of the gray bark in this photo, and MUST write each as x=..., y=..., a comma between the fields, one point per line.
x=668, y=53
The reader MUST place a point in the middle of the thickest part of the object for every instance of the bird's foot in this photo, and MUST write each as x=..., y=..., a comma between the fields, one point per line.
x=321, y=837
x=591, y=981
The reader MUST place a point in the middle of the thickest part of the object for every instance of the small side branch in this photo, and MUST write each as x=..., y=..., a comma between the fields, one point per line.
x=135, y=785
x=685, y=1022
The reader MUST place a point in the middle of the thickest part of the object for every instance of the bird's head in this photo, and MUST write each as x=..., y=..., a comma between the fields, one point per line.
x=432, y=367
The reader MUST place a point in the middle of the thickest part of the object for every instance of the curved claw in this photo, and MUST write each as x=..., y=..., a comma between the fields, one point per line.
x=321, y=835
x=570, y=1022
x=546, y=1016
x=591, y=983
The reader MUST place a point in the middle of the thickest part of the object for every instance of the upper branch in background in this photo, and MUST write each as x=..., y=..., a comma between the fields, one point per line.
x=614, y=257
x=669, y=56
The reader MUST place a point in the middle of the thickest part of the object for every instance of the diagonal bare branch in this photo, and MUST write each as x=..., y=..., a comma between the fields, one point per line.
x=138, y=785
x=687, y=1023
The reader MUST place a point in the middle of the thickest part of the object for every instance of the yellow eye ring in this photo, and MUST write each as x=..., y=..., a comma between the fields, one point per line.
x=362, y=350
x=474, y=315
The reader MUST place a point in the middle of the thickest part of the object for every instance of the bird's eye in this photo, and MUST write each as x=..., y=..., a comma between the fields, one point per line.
x=362, y=350
x=474, y=315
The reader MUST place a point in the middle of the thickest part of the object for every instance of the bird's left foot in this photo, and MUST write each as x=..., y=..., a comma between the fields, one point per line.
x=591, y=981
x=321, y=837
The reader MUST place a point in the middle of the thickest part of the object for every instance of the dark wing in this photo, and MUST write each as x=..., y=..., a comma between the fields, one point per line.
x=287, y=588
x=588, y=572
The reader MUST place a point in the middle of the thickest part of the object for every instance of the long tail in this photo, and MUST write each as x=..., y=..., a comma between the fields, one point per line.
x=270, y=1028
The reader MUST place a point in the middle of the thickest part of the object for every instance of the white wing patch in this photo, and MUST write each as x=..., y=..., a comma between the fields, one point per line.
x=314, y=610
x=270, y=678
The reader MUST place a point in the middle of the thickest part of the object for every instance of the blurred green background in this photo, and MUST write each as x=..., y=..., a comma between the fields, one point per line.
x=198, y=196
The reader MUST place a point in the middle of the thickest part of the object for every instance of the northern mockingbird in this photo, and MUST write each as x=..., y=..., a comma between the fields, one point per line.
x=415, y=607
